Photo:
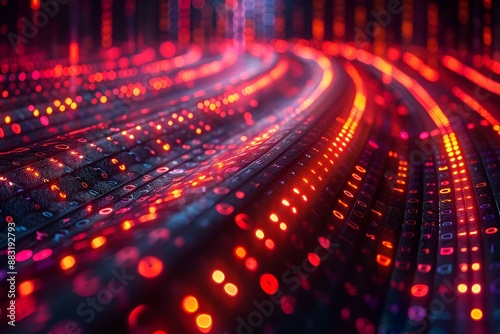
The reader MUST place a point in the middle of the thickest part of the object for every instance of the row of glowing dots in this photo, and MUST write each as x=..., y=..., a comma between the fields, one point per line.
x=211, y=68
x=62, y=106
x=418, y=92
x=185, y=115
x=149, y=267
x=451, y=145
x=37, y=173
x=347, y=132
x=462, y=287
x=472, y=75
x=57, y=72
x=203, y=321
x=418, y=65
x=250, y=89
x=454, y=153
x=348, y=129
x=67, y=104
x=477, y=107
x=127, y=90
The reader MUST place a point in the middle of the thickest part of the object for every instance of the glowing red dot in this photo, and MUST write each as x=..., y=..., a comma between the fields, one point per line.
x=324, y=242
x=269, y=283
x=150, y=266
x=419, y=290
x=251, y=263
x=314, y=259
x=44, y=120
x=16, y=128
x=224, y=209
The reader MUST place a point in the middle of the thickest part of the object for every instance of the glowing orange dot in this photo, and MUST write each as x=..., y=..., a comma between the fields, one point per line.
x=204, y=322
x=150, y=266
x=475, y=266
x=26, y=288
x=136, y=91
x=190, y=304
x=462, y=288
x=97, y=242
x=283, y=226
x=218, y=276
x=240, y=252
x=476, y=288
x=274, y=218
x=7, y=119
x=231, y=289
x=126, y=225
x=103, y=99
x=67, y=262
x=166, y=147
x=476, y=314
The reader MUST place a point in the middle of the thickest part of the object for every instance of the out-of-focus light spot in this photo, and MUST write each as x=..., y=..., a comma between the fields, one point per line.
x=269, y=244
x=67, y=262
x=127, y=225
x=218, y=276
x=476, y=314
x=269, y=283
x=42, y=255
x=462, y=288
x=383, y=260
x=419, y=290
x=259, y=234
x=240, y=252
x=26, y=288
x=274, y=218
x=251, y=263
x=231, y=289
x=150, y=267
x=204, y=322
x=190, y=304
x=314, y=259
x=476, y=288
x=98, y=242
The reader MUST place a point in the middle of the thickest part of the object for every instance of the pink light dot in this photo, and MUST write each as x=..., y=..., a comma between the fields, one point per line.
x=42, y=255
x=424, y=135
x=44, y=120
x=24, y=255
